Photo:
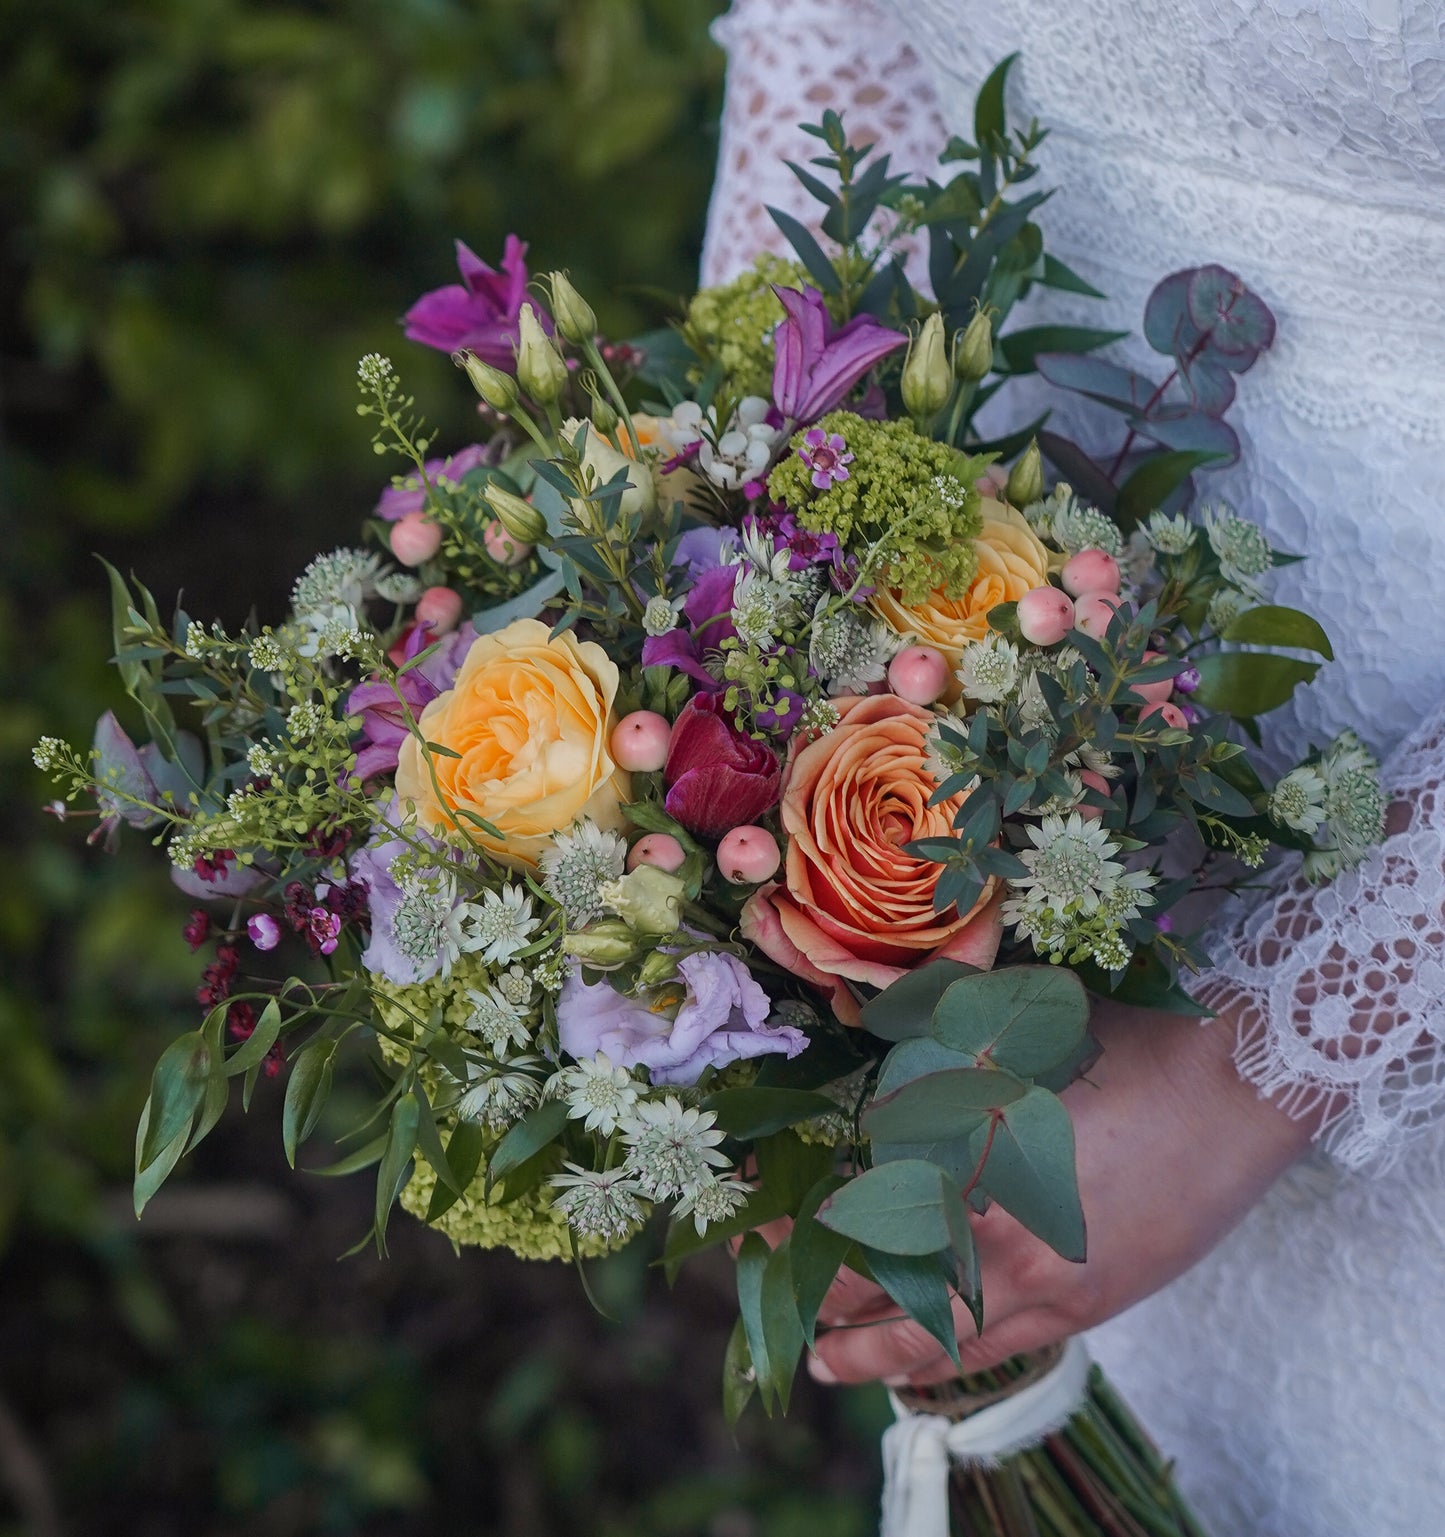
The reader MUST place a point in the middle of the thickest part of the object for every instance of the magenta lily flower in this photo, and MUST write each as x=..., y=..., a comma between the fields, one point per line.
x=480, y=312
x=815, y=366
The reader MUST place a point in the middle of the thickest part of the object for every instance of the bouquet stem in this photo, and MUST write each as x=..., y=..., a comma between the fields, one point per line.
x=1099, y=1475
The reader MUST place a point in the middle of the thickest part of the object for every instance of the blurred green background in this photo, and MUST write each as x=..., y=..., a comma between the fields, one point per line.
x=211, y=209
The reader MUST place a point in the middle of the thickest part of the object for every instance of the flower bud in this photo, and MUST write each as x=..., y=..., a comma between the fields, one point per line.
x=657, y=968
x=606, y=943
x=1026, y=479
x=574, y=316
x=540, y=369
x=499, y=390
x=927, y=379
x=648, y=900
x=520, y=519
x=973, y=357
x=604, y=418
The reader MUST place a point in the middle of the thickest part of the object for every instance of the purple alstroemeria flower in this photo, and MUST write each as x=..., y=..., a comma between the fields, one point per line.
x=480, y=312
x=410, y=496
x=815, y=366
x=826, y=454
x=383, y=724
x=722, y=1018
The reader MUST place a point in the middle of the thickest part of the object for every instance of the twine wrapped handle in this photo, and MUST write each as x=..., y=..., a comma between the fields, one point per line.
x=948, y=1424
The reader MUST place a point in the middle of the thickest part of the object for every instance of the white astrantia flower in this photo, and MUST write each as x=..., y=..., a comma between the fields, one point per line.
x=578, y=865
x=597, y=1093
x=1095, y=760
x=671, y=1150
x=989, y=669
x=497, y=1020
x=660, y=615
x=1243, y=551
x=428, y=925
x=500, y=925
x=1225, y=607
x=498, y=1094
x=942, y=757
x=344, y=578
x=757, y=549
x=599, y=1203
x=715, y=1200
x=1169, y=534
x=762, y=606
x=1298, y=800
x=1073, y=525
x=1354, y=802
x=1071, y=865
x=849, y=648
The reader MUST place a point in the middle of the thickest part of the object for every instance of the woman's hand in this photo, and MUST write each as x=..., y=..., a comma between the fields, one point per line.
x=1173, y=1147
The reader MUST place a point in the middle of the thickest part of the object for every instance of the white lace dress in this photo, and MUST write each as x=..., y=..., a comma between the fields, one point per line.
x=1299, y=1371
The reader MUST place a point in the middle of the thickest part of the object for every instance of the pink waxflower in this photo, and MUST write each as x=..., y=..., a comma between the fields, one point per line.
x=264, y=931
x=323, y=930
x=826, y=454
x=480, y=312
x=815, y=366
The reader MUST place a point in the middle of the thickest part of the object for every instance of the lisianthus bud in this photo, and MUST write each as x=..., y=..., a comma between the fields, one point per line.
x=1026, y=479
x=520, y=519
x=657, y=968
x=574, y=316
x=499, y=390
x=606, y=943
x=927, y=379
x=973, y=357
x=647, y=899
x=604, y=418
x=605, y=461
x=540, y=369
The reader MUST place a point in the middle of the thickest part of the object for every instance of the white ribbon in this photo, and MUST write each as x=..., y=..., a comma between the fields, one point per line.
x=918, y=1448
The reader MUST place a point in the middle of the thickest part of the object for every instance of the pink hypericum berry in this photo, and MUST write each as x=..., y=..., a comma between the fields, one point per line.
x=415, y=539
x=1045, y=616
x=748, y=855
x=918, y=674
x=640, y=740
x=1090, y=571
x=1154, y=693
x=1170, y=714
x=1092, y=781
x=502, y=547
x=661, y=850
x=440, y=608
x=1094, y=610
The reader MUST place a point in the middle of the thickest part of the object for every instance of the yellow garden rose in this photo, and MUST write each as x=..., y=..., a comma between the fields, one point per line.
x=531, y=718
x=1011, y=560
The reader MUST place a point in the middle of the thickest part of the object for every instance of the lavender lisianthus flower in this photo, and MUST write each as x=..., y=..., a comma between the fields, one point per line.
x=479, y=313
x=814, y=365
x=705, y=549
x=722, y=1018
x=396, y=501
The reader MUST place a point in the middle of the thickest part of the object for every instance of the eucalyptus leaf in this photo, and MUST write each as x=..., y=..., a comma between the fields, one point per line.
x=939, y=1106
x=905, y=1008
x=919, y=1285
x=897, y=1207
x=1028, y=1168
x=1024, y=1019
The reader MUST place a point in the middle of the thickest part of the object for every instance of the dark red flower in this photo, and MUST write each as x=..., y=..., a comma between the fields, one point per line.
x=211, y=867
x=717, y=778
x=240, y=1021
x=198, y=928
x=217, y=977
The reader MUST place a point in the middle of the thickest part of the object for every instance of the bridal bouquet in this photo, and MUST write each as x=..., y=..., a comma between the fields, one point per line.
x=716, y=795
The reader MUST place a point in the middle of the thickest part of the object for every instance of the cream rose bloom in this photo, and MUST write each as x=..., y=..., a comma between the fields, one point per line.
x=531, y=718
x=1011, y=560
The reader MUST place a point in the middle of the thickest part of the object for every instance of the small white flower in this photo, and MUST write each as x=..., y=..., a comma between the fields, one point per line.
x=660, y=615
x=266, y=654
x=498, y=926
x=516, y=986
x=714, y=1201
x=500, y=1022
x=49, y=753
x=1071, y=864
x=942, y=757
x=761, y=606
x=1298, y=800
x=756, y=549
x=848, y=648
x=671, y=1150
x=427, y=926
x=597, y=1093
x=1243, y=551
x=578, y=865
x=374, y=371
x=499, y=1094
x=989, y=669
x=599, y=1203
x=197, y=641
x=345, y=578
x=260, y=760
x=1170, y=535
x=1224, y=608
x=304, y=720
x=1074, y=525
x=744, y=451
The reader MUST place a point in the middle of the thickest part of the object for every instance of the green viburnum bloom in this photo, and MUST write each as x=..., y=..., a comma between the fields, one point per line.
x=908, y=506
x=734, y=322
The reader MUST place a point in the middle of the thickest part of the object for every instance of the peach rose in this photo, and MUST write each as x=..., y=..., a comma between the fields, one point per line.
x=851, y=905
x=531, y=718
x=1011, y=560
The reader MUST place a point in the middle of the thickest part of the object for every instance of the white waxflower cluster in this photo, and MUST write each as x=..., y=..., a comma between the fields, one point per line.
x=848, y=647
x=743, y=452
x=578, y=865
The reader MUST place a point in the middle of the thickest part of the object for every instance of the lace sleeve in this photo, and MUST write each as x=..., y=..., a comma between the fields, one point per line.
x=1339, y=990
x=788, y=61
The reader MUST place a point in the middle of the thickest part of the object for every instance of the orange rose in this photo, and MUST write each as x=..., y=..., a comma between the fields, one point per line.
x=1011, y=560
x=531, y=718
x=851, y=905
